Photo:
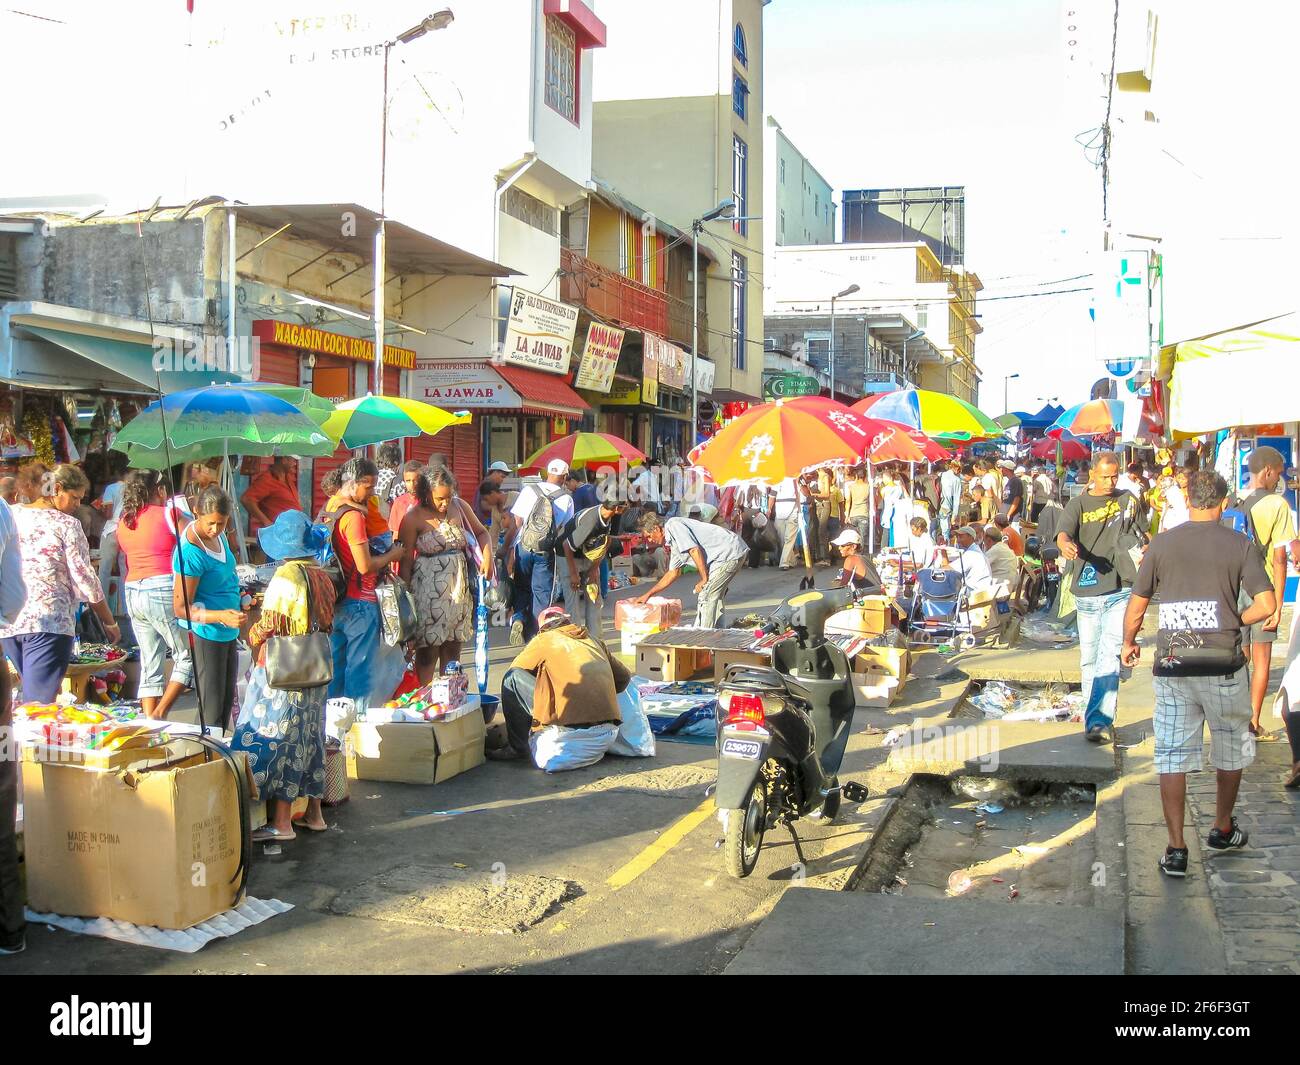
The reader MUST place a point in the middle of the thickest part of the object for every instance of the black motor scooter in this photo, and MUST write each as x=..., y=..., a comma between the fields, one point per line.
x=784, y=731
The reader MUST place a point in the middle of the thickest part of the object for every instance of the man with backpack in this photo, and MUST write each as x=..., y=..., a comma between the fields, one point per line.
x=1266, y=520
x=587, y=538
x=1199, y=574
x=542, y=509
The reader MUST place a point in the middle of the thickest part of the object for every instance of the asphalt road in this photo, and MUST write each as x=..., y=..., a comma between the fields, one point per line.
x=627, y=847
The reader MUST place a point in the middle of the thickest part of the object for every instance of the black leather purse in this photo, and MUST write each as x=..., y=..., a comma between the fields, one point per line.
x=300, y=663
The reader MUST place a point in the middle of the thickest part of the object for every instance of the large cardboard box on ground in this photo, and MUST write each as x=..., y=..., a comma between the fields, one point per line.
x=660, y=663
x=871, y=617
x=427, y=752
x=662, y=613
x=875, y=687
x=724, y=660
x=149, y=845
x=896, y=661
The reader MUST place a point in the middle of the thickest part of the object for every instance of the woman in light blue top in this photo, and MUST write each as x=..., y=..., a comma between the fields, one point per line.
x=206, y=601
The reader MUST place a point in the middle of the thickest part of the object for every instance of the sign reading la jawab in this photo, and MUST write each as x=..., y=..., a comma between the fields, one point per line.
x=539, y=332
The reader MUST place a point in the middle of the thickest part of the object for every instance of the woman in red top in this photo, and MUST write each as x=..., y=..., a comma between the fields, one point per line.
x=147, y=538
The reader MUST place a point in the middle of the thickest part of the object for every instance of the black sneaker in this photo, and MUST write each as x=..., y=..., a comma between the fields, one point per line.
x=14, y=944
x=504, y=754
x=1226, y=841
x=1174, y=861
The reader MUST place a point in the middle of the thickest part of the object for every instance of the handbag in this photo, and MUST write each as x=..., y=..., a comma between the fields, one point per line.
x=397, y=616
x=300, y=663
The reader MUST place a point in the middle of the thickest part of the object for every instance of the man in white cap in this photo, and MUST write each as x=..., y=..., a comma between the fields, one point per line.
x=1013, y=491
x=538, y=537
x=970, y=563
x=496, y=475
x=858, y=569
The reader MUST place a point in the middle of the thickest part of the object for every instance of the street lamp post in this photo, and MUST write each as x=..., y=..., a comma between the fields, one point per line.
x=916, y=334
x=437, y=21
x=697, y=227
x=1006, y=392
x=838, y=296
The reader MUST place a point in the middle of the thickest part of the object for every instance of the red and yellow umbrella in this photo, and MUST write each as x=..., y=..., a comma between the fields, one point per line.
x=584, y=450
x=907, y=445
x=1097, y=417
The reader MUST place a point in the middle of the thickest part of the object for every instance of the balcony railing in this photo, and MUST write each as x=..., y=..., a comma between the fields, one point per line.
x=610, y=295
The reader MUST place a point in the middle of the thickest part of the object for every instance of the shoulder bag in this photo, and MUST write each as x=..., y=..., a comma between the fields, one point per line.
x=300, y=663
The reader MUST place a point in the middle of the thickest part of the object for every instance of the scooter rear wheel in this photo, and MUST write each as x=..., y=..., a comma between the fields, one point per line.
x=744, y=835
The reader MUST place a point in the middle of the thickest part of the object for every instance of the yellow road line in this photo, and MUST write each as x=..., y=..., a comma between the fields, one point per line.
x=672, y=836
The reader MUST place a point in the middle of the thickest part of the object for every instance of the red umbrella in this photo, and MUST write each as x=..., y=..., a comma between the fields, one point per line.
x=1071, y=450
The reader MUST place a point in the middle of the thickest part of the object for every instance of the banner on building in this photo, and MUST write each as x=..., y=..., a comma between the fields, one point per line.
x=621, y=394
x=539, y=332
x=461, y=384
x=671, y=360
x=599, y=357
x=650, y=371
x=704, y=375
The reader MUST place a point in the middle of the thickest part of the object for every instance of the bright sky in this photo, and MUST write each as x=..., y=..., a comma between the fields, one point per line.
x=885, y=93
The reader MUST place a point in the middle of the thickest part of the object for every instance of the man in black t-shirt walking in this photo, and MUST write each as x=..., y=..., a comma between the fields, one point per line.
x=1196, y=572
x=1099, y=532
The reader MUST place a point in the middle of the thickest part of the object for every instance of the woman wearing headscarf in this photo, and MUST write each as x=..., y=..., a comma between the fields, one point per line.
x=147, y=535
x=283, y=731
x=59, y=577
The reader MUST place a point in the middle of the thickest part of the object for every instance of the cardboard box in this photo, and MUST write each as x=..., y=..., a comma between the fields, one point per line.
x=871, y=618
x=875, y=688
x=417, y=752
x=724, y=660
x=896, y=661
x=633, y=633
x=153, y=847
x=671, y=663
x=659, y=612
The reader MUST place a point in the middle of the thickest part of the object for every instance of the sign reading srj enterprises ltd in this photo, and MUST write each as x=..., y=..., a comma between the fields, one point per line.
x=599, y=357
x=461, y=384
x=540, y=331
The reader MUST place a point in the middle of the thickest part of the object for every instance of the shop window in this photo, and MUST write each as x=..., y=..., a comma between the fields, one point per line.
x=561, y=69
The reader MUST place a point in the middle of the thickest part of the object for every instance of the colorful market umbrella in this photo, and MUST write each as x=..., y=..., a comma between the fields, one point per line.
x=1071, y=449
x=936, y=414
x=1094, y=418
x=376, y=419
x=908, y=445
x=584, y=450
x=202, y=423
x=1010, y=420
x=317, y=408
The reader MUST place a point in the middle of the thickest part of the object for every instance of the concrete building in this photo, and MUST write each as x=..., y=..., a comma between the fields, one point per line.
x=678, y=129
x=910, y=322
x=798, y=203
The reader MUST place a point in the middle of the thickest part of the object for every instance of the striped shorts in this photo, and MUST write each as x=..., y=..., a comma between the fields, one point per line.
x=1184, y=705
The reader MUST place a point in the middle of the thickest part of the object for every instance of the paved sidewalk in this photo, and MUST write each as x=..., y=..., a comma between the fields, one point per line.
x=1256, y=890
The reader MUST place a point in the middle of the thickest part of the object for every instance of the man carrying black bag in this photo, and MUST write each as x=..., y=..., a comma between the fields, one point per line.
x=1196, y=572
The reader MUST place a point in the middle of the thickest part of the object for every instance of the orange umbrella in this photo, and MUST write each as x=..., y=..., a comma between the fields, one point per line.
x=907, y=445
x=778, y=440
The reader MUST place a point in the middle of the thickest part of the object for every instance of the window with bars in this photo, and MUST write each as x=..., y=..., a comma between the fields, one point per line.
x=530, y=210
x=739, y=277
x=740, y=183
x=561, y=68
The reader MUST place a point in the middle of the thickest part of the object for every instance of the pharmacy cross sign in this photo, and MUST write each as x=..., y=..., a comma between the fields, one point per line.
x=756, y=450
x=1125, y=278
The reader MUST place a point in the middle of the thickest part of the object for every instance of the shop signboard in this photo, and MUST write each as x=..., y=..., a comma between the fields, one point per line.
x=704, y=375
x=599, y=357
x=539, y=332
x=469, y=383
x=1121, y=312
x=671, y=359
x=621, y=394
x=323, y=342
x=787, y=386
x=650, y=371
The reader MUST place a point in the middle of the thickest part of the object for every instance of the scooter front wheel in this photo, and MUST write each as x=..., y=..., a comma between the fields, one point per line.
x=744, y=835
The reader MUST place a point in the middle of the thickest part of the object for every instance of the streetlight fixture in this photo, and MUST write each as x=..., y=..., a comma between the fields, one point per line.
x=838, y=296
x=1006, y=386
x=439, y=20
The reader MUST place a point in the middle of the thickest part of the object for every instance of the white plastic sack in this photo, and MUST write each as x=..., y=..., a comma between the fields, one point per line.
x=243, y=667
x=388, y=669
x=1288, y=695
x=340, y=716
x=557, y=748
x=634, y=739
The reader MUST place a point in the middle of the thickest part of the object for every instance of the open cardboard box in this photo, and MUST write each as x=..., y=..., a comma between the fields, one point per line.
x=875, y=687
x=417, y=752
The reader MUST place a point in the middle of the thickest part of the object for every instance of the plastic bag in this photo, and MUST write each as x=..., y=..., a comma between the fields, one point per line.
x=557, y=748
x=635, y=738
x=340, y=715
x=387, y=669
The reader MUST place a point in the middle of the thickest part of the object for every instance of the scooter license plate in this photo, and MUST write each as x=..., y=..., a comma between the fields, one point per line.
x=742, y=748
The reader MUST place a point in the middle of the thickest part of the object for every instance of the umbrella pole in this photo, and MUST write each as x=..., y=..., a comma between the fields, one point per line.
x=807, y=582
x=871, y=510
x=229, y=477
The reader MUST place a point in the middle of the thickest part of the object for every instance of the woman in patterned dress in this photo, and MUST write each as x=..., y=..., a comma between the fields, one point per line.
x=437, y=532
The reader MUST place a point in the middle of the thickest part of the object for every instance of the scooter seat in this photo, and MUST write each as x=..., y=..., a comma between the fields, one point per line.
x=753, y=678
